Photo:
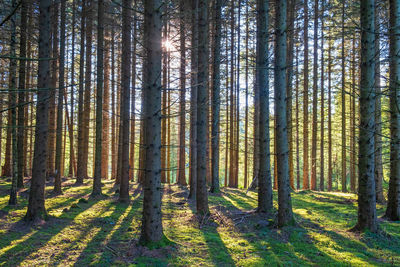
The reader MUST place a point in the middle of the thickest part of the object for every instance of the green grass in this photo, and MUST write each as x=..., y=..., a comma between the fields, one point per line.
x=83, y=231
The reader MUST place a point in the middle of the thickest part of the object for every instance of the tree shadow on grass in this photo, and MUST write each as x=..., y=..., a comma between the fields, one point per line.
x=16, y=254
x=217, y=250
x=102, y=243
x=274, y=246
x=20, y=228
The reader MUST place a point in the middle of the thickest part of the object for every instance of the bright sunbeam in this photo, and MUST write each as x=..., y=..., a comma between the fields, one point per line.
x=167, y=44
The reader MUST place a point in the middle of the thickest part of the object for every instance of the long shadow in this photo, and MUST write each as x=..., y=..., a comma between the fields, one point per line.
x=106, y=225
x=19, y=228
x=87, y=255
x=217, y=250
x=282, y=245
x=14, y=256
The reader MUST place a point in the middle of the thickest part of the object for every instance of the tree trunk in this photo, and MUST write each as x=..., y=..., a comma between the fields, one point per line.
x=106, y=104
x=305, y=98
x=151, y=224
x=80, y=172
x=285, y=213
x=315, y=103
x=125, y=98
x=262, y=89
x=133, y=97
x=344, y=178
x=36, y=209
x=393, y=206
x=72, y=164
x=378, y=118
x=99, y=100
x=216, y=101
x=289, y=90
x=52, y=108
x=61, y=78
x=366, y=182
x=322, y=166
x=329, y=187
x=88, y=84
x=193, y=103
x=13, y=104
x=202, y=106
x=21, y=95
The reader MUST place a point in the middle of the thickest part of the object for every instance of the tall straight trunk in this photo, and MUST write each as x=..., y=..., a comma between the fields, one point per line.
x=216, y=100
x=193, y=102
x=366, y=182
x=305, y=99
x=88, y=84
x=80, y=172
x=289, y=85
x=352, y=122
x=125, y=98
x=168, y=114
x=13, y=104
x=378, y=111
x=231, y=180
x=52, y=108
x=99, y=100
x=329, y=186
x=106, y=104
x=315, y=103
x=227, y=110
x=202, y=106
x=152, y=230
x=237, y=104
x=344, y=178
x=72, y=164
x=133, y=97
x=61, y=78
x=322, y=153
x=393, y=206
x=181, y=179
x=262, y=89
x=285, y=213
x=297, y=117
x=36, y=209
x=164, y=103
x=113, y=110
x=246, y=120
x=21, y=94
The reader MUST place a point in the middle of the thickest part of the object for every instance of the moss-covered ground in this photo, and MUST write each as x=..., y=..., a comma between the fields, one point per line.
x=82, y=231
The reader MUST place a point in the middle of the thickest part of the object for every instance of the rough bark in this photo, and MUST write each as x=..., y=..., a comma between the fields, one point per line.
x=216, y=100
x=366, y=182
x=125, y=98
x=202, y=106
x=61, y=79
x=378, y=118
x=152, y=230
x=181, y=176
x=262, y=88
x=99, y=100
x=13, y=105
x=193, y=103
x=21, y=94
x=36, y=209
x=285, y=213
x=393, y=206
x=305, y=99
x=315, y=103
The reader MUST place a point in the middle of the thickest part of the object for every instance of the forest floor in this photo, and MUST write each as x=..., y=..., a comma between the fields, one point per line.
x=82, y=231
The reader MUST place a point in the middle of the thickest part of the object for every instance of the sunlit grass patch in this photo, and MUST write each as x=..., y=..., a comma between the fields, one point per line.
x=102, y=232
